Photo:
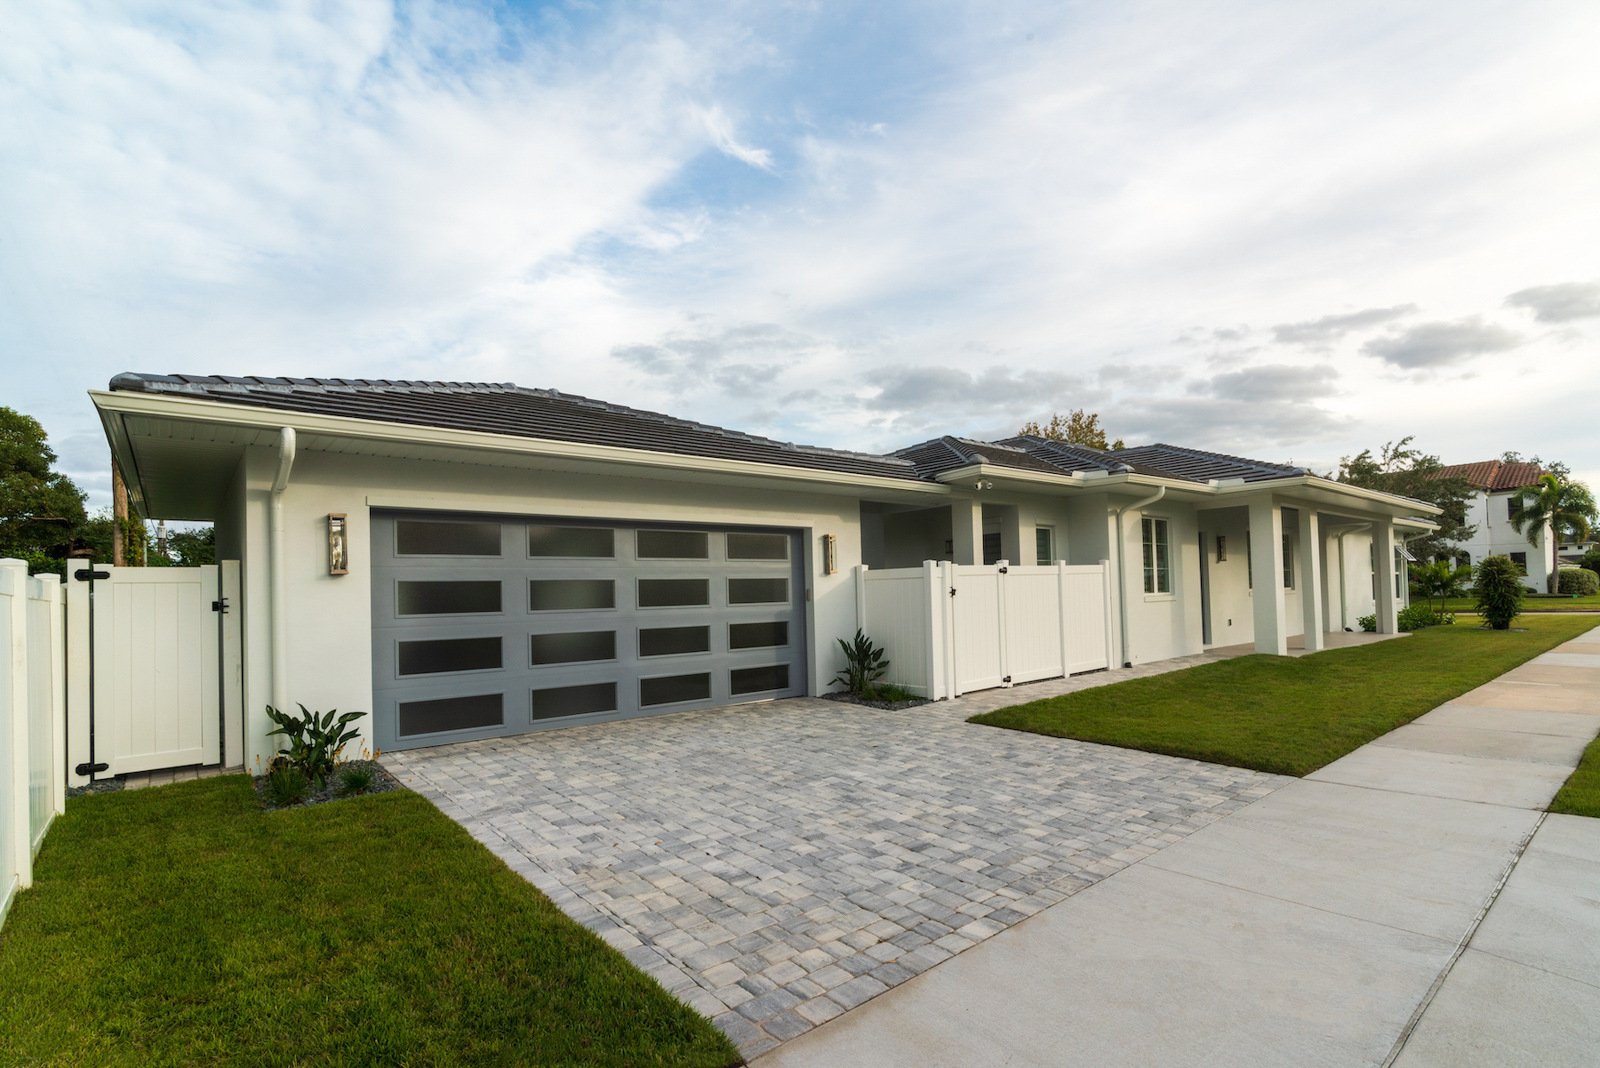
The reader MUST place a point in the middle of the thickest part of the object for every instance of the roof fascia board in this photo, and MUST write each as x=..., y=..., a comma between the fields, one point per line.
x=192, y=409
x=122, y=454
x=1411, y=507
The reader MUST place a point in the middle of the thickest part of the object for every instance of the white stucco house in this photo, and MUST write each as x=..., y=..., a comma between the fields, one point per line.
x=475, y=560
x=1495, y=484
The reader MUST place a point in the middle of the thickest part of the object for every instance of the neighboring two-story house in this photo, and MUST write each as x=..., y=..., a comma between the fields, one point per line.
x=1495, y=484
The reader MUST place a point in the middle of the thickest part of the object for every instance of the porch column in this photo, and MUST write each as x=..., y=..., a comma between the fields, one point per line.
x=1266, y=577
x=966, y=531
x=1383, y=540
x=1311, y=577
x=1013, y=547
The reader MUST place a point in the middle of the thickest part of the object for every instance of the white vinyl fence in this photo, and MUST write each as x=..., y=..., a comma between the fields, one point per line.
x=949, y=629
x=33, y=720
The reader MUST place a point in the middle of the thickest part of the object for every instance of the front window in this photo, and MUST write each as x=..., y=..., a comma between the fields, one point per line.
x=1288, y=562
x=1157, y=556
x=1045, y=540
x=1521, y=560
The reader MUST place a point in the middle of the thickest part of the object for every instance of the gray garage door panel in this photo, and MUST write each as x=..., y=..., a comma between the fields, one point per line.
x=491, y=626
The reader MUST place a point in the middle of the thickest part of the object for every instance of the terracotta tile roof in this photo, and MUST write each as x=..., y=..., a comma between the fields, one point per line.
x=1493, y=475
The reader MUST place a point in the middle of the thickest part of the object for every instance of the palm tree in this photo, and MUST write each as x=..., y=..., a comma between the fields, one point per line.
x=1566, y=509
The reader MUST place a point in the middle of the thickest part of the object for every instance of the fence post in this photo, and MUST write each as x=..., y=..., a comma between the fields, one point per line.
x=947, y=587
x=933, y=628
x=861, y=597
x=77, y=671
x=14, y=583
x=1061, y=595
x=1001, y=571
x=55, y=597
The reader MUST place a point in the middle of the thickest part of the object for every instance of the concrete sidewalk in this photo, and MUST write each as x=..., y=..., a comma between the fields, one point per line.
x=1338, y=921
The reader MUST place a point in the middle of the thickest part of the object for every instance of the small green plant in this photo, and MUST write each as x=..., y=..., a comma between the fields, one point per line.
x=286, y=784
x=1418, y=616
x=356, y=779
x=1439, y=581
x=1497, y=591
x=889, y=693
x=315, y=740
x=1368, y=623
x=1578, y=581
x=864, y=664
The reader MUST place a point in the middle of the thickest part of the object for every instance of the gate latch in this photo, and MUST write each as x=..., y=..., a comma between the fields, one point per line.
x=90, y=576
x=220, y=605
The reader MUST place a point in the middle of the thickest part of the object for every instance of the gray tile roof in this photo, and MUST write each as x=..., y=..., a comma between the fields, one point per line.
x=504, y=408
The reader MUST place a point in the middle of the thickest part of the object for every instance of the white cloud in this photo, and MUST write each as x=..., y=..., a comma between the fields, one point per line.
x=1429, y=345
x=1559, y=303
x=720, y=127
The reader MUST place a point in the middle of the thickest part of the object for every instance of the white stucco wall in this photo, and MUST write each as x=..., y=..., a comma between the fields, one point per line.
x=1495, y=536
x=330, y=628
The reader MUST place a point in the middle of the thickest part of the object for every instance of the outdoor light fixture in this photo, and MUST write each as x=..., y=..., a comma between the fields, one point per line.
x=983, y=484
x=1222, y=548
x=338, y=544
x=830, y=554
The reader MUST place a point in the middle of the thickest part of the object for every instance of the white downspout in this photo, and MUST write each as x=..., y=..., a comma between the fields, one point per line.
x=1122, y=567
x=280, y=579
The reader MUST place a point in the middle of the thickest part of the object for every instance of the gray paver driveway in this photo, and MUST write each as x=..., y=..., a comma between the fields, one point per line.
x=776, y=864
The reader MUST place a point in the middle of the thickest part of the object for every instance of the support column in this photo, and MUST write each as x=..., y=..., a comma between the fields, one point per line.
x=1013, y=547
x=1383, y=540
x=966, y=531
x=1266, y=577
x=1311, y=578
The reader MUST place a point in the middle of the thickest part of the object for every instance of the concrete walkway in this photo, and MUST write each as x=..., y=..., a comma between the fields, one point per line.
x=1363, y=915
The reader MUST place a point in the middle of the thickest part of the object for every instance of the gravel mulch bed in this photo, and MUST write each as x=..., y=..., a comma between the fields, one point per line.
x=99, y=786
x=892, y=706
x=382, y=782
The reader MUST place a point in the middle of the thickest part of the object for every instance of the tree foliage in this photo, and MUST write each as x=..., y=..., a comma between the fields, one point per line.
x=187, y=548
x=1555, y=503
x=41, y=509
x=1077, y=427
x=1406, y=470
x=1439, y=580
x=1497, y=591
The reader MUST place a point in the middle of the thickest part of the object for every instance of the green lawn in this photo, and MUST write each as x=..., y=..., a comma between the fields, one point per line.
x=182, y=925
x=1541, y=603
x=1290, y=715
x=1580, y=796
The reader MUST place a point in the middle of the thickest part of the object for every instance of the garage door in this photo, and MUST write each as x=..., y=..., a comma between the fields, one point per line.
x=493, y=626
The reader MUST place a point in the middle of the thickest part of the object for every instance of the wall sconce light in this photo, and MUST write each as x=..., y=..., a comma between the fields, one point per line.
x=338, y=544
x=1222, y=548
x=830, y=554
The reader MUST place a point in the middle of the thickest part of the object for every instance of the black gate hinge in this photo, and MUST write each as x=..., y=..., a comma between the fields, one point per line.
x=1006, y=679
x=90, y=576
x=220, y=605
x=1004, y=570
x=952, y=591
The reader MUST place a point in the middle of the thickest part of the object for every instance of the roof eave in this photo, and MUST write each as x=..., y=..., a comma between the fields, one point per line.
x=113, y=405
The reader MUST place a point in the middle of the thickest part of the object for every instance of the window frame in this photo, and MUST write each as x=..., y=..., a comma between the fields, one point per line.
x=1048, y=532
x=1155, y=536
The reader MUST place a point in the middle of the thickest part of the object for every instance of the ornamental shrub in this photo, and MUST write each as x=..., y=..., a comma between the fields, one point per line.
x=1497, y=589
x=1368, y=624
x=1417, y=616
x=1591, y=559
x=1577, y=580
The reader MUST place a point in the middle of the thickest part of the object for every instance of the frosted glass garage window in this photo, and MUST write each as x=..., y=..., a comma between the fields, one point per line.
x=671, y=689
x=427, y=537
x=760, y=679
x=746, y=546
x=574, y=647
x=674, y=593
x=451, y=714
x=757, y=635
x=587, y=543
x=555, y=701
x=571, y=595
x=758, y=591
x=440, y=655
x=673, y=544
x=674, y=641
x=423, y=598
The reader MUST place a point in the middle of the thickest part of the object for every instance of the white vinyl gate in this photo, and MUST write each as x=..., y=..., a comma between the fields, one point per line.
x=145, y=650
x=949, y=629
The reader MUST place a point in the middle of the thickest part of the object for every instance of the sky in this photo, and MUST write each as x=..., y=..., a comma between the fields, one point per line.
x=1286, y=231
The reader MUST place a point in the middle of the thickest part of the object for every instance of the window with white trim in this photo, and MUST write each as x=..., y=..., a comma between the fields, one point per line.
x=1157, y=555
x=1044, y=539
x=1288, y=562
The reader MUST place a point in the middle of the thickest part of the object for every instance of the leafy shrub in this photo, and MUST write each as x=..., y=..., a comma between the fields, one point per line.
x=864, y=664
x=315, y=741
x=1439, y=580
x=1368, y=623
x=1591, y=559
x=1417, y=616
x=1497, y=590
x=356, y=779
x=1577, y=580
x=286, y=784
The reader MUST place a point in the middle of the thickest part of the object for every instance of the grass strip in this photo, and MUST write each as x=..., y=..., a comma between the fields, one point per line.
x=182, y=925
x=1290, y=715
